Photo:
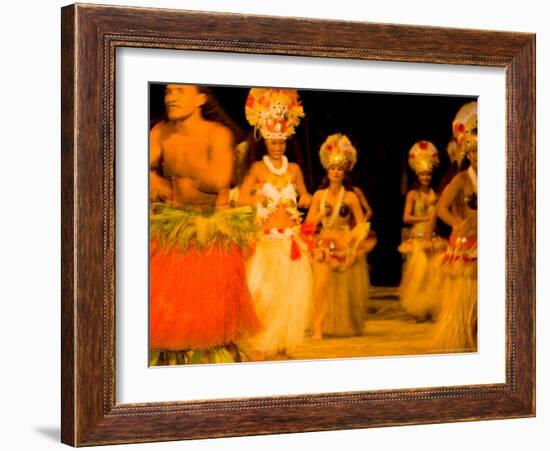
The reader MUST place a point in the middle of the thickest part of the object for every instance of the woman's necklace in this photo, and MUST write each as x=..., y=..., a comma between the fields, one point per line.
x=329, y=222
x=277, y=171
x=425, y=199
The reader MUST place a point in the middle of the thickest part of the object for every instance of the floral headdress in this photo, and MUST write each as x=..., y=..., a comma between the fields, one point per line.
x=455, y=152
x=275, y=113
x=338, y=150
x=465, y=126
x=423, y=157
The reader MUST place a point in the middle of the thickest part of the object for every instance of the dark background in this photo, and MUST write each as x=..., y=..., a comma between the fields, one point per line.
x=382, y=127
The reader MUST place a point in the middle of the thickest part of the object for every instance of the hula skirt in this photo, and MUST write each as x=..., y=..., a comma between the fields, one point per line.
x=456, y=329
x=199, y=298
x=280, y=279
x=420, y=288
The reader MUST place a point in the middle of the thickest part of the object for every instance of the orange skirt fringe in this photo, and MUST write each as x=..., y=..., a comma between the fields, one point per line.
x=199, y=299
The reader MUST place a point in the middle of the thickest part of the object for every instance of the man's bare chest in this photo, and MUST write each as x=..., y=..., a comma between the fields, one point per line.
x=181, y=152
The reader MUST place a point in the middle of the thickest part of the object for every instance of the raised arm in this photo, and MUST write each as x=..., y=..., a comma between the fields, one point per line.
x=245, y=194
x=357, y=239
x=314, y=215
x=159, y=187
x=356, y=209
x=450, y=193
x=363, y=202
x=304, y=198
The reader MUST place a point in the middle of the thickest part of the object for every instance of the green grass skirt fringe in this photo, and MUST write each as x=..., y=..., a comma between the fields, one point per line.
x=182, y=228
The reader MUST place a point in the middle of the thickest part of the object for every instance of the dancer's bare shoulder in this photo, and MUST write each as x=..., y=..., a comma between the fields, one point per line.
x=219, y=131
x=351, y=197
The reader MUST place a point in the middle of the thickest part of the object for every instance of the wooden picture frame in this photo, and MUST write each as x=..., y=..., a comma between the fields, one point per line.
x=90, y=37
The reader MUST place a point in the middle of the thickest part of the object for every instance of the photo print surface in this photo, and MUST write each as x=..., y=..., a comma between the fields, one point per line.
x=304, y=224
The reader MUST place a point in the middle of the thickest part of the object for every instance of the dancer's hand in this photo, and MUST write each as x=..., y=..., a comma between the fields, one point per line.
x=261, y=199
x=320, y=255
x=305, y=200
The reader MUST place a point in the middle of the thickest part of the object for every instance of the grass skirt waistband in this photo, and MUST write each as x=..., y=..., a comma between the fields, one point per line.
x=181, y=228
x=199, y=298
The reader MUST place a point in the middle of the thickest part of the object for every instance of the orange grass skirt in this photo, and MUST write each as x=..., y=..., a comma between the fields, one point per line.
x=199, y=299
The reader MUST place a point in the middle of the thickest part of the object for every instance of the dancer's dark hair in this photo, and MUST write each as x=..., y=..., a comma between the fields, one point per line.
x=347, y=182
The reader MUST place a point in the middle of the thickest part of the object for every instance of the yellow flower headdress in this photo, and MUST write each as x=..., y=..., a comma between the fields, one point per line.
x=338, y=150
x=423, y=157
x=455, y=152
x=275, y=113
x=465, y=126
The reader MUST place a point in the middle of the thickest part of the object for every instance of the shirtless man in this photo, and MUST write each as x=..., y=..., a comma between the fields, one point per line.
x=196, y=154
x=199, y=301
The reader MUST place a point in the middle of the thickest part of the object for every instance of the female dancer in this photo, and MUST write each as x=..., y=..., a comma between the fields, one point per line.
x=420, y=212
x=457, y=326
x=279, y=272
x=341, y=275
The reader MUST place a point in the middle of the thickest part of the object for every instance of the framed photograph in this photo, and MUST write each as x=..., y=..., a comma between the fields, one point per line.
x=273, y=225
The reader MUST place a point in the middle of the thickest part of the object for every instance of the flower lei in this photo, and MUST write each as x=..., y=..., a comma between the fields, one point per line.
x=328, y=223
x=277, y=171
